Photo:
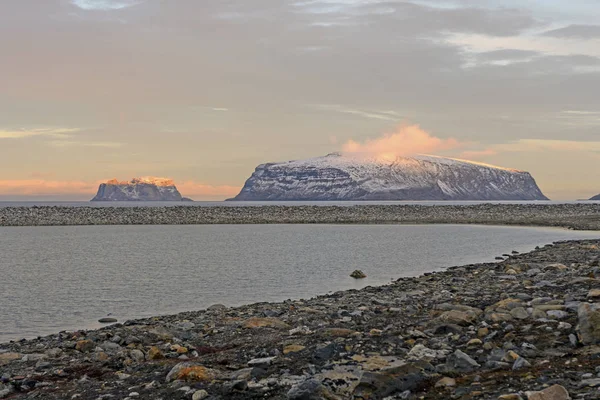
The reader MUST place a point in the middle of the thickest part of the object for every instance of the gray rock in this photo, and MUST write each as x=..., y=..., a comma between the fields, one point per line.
x=462, y=362
x=310, y=389
x=589, y=323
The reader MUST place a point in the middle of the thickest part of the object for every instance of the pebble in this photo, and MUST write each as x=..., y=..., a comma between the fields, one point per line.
x=466, y=332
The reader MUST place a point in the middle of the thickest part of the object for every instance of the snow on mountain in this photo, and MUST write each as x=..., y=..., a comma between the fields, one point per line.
x=422, y=177
x=139, y=189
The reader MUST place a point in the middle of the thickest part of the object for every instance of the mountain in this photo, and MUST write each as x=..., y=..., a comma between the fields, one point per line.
x=341, y=177
x=596, y=197
x=139, y=189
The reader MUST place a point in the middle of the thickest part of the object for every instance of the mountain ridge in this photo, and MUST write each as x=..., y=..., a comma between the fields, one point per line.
x=139, y=189
x=339, y=177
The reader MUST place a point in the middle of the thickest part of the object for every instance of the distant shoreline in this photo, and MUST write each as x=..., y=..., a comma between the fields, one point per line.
x=571, y=216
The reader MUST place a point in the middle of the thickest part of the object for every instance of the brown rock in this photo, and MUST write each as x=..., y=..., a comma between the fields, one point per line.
x=339, y=332
x=267, y=322
x=6, y=358
x=293, y=348
x=446, y=382
x=483, y=332
x=191, y=373
x=512, y=396
x=85, y=346
x=155, y=354
x=555, y=392
x=594, y=293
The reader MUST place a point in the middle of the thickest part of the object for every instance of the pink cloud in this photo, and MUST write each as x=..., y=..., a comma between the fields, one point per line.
x=41, y=187
x=406, y=140
x=200, y=191
x=81, y=189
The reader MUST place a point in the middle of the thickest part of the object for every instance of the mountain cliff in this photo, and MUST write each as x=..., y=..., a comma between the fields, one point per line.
x=340, y=177
x=139, y=189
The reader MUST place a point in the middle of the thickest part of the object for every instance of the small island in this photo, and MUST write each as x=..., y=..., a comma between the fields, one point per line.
x=139, y=189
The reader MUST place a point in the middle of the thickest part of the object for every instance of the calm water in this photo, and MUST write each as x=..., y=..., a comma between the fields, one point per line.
x=55, y=278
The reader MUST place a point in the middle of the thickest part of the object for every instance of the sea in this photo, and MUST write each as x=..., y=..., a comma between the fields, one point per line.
x=66, y=278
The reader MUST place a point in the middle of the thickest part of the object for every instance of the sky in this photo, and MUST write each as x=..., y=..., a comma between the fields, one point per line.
x=204, y=91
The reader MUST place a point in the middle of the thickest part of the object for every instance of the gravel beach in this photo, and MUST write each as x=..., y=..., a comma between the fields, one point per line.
x=527, y=327
x=573, y=216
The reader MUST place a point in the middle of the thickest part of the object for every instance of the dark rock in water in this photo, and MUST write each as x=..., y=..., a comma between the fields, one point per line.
x=358, y=274
x=339, y=177
x=139, y=189
x=107, y=320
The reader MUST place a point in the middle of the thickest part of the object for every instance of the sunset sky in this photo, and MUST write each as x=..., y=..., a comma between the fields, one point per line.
x=202, y=91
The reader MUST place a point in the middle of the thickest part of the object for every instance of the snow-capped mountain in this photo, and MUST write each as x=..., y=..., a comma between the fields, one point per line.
x=422, y=177
x=139, y=189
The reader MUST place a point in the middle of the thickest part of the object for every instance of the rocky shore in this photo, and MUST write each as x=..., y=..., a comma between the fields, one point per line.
x=573, y=216
x=524, y=328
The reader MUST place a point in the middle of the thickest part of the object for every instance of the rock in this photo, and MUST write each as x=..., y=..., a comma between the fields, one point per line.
x=310, y=389
x=261, y=362
x=512, y=396
x=557, y=314
x=420, y=352
x=589, y=323
x=377, y=385
x=446, y=382
x=519, y=313
x=460, y=361
x=593, y=294
x=520, y=362
x=555, y=392
x=6, y=358
x=85, y=346
x=107, y=320
x=358, y=274
x=137, y=355
x=267, y=322
x=190, y=372
x=474, y=343
x=200, y=395
x=155, y=354
x=293, y=348
x=458, y=317
x=339, y=332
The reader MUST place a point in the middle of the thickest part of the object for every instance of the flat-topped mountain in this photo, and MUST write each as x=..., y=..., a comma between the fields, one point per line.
x=139, y=189
x=340, y=177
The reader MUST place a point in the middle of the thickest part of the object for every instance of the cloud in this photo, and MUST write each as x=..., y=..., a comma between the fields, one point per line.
x=200, y=191
x=42, y=187
x=39, y=187
x=575, y=32
x=55, y=133
x=105, y=5
x=381, y=115
x=72, y=143
x=407, y=140
x=534, y=146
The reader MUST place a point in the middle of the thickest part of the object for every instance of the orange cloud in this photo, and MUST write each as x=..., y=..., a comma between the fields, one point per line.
x=199, y=191
x=84, y=190
x=407, y=140
x=41, y=187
